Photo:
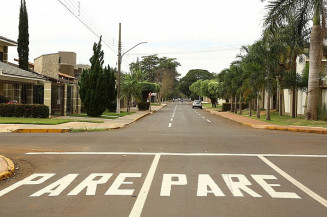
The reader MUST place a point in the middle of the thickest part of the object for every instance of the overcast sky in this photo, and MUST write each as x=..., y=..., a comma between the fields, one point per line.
x=204, y=34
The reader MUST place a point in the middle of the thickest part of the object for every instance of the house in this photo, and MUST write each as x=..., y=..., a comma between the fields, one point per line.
x=17, y=85
x=60, y=69
x=301, y=97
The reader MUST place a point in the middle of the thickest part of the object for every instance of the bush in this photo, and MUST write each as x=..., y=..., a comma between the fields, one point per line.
x=21, y=110
x=225, y=107
x=143, y=106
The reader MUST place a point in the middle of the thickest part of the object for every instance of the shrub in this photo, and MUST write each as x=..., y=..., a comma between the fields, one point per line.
x=21, y=110
x=225, y=107
x=143, y=106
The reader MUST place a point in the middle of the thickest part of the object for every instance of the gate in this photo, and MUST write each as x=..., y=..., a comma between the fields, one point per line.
x=69, y=106
x=57, y=99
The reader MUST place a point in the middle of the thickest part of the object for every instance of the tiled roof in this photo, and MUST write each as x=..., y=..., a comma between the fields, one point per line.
x=14, y=71
x=66, y=76
x=7, y=40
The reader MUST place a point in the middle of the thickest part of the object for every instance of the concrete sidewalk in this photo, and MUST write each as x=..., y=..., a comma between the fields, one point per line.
x=68, y=127
x=264, y=125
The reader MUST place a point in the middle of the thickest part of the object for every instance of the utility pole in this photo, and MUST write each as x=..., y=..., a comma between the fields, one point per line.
x=120, y=56
x=119, y=65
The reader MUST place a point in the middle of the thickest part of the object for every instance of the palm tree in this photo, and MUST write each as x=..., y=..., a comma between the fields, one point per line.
x=130, y=87
x=305, y=10
x=295, y=37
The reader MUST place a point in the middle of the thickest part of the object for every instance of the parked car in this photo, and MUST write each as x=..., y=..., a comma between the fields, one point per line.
x=197, y=103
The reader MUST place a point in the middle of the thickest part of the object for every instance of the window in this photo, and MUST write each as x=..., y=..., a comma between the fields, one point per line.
x=59, y=59
x=1, y=56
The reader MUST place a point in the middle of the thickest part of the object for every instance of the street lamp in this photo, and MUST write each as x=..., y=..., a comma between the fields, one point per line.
x=120, y=56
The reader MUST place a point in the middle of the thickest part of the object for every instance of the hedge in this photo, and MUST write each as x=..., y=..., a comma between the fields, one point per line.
x=22, y=110
x=143, y=106
x=226, y=106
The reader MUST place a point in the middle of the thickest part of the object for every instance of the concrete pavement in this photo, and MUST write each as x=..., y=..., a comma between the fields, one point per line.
x=68, y=127
x=264, y=125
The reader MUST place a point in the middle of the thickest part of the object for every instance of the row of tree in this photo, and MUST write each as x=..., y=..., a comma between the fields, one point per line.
x=269, y=65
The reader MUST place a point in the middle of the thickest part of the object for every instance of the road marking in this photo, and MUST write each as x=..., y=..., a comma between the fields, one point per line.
x=176, y=154
x=172, y=119
x=306, y=190
x=140, y=201
x=203, y=117
x=208, y=121
x=169, y=125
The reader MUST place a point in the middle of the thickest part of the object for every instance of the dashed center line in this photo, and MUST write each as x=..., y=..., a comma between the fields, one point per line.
x=172, y=117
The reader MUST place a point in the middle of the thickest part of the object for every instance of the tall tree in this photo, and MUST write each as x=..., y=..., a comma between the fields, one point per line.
x=23, y=37
x=111, y=91
x=308, y=10
x=93, y=84
x=191, y=77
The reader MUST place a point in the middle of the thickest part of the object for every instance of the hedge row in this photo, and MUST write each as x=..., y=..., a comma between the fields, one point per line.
x=226, y=106
x=143, y=106
x=21, y=110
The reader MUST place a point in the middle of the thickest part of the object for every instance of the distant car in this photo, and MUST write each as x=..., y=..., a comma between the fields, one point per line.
x=197, y=103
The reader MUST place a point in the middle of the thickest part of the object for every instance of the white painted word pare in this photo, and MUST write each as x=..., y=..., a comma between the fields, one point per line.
x=238, y=184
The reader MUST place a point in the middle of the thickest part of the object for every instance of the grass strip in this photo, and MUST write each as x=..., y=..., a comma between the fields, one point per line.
x=286, y=120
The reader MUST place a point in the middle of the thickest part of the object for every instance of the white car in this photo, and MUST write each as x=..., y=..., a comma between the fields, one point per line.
x=197, y=103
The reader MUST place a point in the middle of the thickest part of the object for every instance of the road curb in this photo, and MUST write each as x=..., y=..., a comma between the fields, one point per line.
x=10, y=168
x=273, y=127
x=320, y=131
x=41, y=131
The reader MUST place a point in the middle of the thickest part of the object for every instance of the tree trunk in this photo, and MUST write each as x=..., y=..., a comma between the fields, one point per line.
x=278, y=96
x=235, y=108
x=231, y=105
x=268, y=107
x=258, y=106
x=293, y=102
x=240, y=104
x=314, y=69
x=250, y=107
x=281, y=99
x=293, y=71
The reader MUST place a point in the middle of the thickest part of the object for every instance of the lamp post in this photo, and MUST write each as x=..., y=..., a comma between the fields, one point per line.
x=120, y=56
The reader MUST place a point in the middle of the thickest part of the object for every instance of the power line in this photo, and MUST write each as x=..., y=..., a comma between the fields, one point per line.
x=92, y=22
x=85, y=24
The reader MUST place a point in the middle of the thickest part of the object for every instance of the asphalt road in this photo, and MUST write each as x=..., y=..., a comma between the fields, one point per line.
x=177, y=162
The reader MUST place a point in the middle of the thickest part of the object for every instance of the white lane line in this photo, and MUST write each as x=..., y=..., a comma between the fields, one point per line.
x=208, y=121
x=172, y=119
x=203, y=117
x=306, y=190
x=176, y=154
x=169, y=125
x=140, y=201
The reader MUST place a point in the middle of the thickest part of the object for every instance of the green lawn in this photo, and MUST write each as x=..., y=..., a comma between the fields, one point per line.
x=287, y=120
x=40, y=121
x=105, y=115
x=209, y=105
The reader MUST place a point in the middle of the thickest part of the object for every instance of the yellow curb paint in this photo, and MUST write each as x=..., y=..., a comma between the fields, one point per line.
x=10, y=169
